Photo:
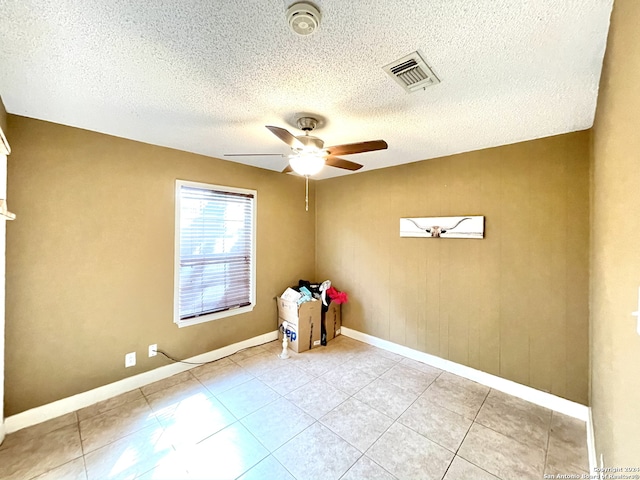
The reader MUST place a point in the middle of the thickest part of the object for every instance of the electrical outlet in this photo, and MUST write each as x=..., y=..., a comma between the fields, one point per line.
x=153, y=350
x=130, y=359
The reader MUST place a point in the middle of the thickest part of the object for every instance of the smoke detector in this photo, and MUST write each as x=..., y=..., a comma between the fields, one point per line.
x=303, y=18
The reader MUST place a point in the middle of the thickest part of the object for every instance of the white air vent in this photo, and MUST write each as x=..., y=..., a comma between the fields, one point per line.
x=412, y=72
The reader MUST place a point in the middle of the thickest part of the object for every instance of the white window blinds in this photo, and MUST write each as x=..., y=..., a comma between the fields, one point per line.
x=215, y=250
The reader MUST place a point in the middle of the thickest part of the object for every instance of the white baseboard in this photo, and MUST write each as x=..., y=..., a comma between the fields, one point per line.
x=2, y=429
x=529, y=394
x=591, y=444
x=84, y=399
x=81, y=400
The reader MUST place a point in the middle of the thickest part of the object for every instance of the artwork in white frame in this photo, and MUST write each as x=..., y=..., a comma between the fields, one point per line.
x=443, y=227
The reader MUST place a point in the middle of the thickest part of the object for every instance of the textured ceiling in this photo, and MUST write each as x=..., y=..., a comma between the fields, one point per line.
x=206, y=76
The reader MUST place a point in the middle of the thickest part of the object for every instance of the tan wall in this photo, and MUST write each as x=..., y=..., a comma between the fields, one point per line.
x=90, y=257
x=615, y=345
x=514, y=304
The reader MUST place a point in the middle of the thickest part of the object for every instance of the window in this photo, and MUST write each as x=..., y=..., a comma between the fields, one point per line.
x=215, y=252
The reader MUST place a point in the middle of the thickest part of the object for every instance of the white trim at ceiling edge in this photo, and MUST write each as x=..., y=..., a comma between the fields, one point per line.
x=544, y=399
x=71, y=404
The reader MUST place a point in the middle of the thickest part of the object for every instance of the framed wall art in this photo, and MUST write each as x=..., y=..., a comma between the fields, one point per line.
x=443, y=227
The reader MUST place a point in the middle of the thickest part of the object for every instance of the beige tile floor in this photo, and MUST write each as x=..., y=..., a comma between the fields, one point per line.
x=346, y=411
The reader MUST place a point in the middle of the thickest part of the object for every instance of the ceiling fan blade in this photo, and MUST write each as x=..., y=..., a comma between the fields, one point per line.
x=285, y=136
x=342, y=163
x=361, y=147
x=254, y=155
x=288, y=169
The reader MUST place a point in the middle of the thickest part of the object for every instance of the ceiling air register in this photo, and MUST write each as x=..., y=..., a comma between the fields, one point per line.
x=412, y=72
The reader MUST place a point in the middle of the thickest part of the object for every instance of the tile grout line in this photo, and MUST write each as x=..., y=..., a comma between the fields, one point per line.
x=269, y=453
x=84, y=454
x=290, y=440
x=394, y=420
x=238, y=420
x=362, y=453
x=349, y=396
x=467, y=433
x=370, y=459
x=84, y=464
x=499, y=433
x=77, y=425
x=546, y=451
x=80, y=436
x=502, y=434
x=468, y=429
x=397, y=362
x=283, y=466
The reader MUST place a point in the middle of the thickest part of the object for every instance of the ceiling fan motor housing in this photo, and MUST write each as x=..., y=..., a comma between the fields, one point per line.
x=310, y=143
x=303, y=18
x=307, y=124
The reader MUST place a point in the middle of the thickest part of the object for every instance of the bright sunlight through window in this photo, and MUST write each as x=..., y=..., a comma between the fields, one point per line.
x=215, y=252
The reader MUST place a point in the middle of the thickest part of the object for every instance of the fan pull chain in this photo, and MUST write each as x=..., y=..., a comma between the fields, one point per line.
x=306, y=195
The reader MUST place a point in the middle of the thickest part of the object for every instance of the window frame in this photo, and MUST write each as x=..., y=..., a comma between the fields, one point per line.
x=176, y=263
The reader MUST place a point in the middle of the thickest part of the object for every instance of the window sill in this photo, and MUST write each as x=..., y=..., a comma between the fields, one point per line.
x=214, y=316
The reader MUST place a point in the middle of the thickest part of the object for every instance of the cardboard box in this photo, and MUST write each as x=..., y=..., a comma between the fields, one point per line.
x=303, y=321
x=332, y=321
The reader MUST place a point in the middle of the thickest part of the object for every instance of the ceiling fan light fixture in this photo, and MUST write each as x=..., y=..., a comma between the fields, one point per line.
x=306, y=165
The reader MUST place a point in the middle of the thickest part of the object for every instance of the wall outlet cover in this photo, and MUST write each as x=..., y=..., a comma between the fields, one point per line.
x=130, y=359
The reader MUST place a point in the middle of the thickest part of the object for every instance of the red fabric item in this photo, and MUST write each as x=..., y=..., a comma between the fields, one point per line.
x=336, y=296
